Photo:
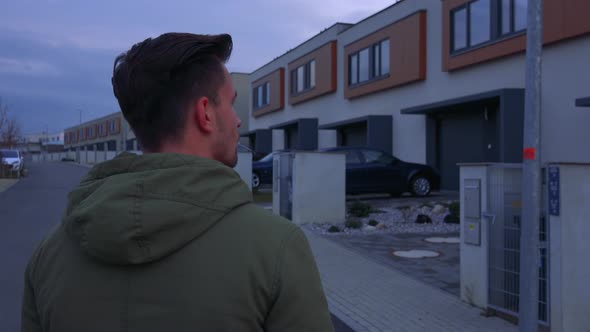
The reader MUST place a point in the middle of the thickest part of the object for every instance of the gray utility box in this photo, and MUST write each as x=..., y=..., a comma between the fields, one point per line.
x=472, y=208
x=310, y=187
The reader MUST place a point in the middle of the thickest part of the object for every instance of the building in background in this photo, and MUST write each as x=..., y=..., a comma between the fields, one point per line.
x=431, y=81
x=107, y=133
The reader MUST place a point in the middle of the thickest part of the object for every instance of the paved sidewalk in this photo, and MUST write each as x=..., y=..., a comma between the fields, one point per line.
x=371, y=297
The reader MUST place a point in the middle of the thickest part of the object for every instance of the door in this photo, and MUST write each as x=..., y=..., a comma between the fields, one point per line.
x=383, y=173
x=463, y=138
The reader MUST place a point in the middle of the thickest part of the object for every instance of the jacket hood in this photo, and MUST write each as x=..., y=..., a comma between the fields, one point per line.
x=137, y=209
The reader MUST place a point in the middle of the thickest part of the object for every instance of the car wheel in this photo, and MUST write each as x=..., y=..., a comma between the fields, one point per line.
x=420, y=186
x=255, y=181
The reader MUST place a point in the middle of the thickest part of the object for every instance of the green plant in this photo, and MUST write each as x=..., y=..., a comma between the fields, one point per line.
x=353, y=223
x=455, y=209
x=360, y=209
x=373, y=222
x=333, y=229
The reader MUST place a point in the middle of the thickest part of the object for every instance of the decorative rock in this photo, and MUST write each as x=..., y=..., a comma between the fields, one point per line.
x=369, y=228
x=381, y=226
x=416, y=254
x=423, y=219
x=438, y=209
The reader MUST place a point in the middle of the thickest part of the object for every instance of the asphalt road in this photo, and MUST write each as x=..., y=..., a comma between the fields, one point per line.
x=28, y=211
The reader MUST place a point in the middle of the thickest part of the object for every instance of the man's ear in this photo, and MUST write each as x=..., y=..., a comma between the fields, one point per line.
x=203, y=115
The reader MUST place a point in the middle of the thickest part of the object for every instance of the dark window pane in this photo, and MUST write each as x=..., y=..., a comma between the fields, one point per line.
x=293, y=81
x=312, y=74
x=260, y=96
x=376, y=62
x=505, y=10
x=371, y=156
x=480, y=21
x=300, y=78
x=352, y=157
x=520, y=14
x=385, y=57
x=364, y=65
x=460, y=29
x=353, y=74
x=267, y=97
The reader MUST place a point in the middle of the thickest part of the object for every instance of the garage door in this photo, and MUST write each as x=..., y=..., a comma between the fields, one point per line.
x=353, y=135
x=464, y=137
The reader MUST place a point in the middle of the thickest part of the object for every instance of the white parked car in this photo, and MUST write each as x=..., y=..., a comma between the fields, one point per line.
x=13, y=158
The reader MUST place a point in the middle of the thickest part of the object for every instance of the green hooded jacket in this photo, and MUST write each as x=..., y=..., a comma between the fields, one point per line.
x=169, y=242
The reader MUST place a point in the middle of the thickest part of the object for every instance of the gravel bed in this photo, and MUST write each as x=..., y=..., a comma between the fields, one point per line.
x=393, y=218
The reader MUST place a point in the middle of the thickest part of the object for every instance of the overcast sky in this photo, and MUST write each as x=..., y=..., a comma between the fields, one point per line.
x=56, y=56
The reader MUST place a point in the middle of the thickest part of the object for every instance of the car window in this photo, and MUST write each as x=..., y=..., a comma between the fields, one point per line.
x=379, y=157
x=352, y=157
x=268, y=157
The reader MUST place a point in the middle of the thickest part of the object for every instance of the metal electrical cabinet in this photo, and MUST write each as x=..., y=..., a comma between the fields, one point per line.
x=282, y=184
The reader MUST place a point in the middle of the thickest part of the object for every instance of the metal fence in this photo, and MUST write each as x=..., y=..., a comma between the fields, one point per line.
x=504, y=249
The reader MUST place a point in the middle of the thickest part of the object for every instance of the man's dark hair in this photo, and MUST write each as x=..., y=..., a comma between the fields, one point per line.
x=156, y=80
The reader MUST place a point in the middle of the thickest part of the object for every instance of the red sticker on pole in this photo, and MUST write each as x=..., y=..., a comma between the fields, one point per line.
x=530, y=154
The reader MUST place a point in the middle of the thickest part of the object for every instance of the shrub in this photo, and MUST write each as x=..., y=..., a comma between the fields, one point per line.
x=373, y=222
x=333, y=229
x=360, y=209
x=455, y=209
x=353, y=223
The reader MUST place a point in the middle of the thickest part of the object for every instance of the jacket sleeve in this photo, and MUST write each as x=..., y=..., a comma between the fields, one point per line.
x=30, y=321
x=300, y=303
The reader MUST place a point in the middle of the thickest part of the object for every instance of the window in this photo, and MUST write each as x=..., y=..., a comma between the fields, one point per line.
x=479, y=22
x=112, y=125
x=459, y=29
x=303, y=78
x=261, y=95
x=353, y=70
x=369, y=63
x=513, y=16
x=112, y=146
x=372, y=156
x=352, y=157
x=482, y=21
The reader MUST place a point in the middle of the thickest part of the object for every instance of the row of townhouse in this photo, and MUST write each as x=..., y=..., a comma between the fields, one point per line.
x=431, y=81
x=108, y=133
x=113, y=133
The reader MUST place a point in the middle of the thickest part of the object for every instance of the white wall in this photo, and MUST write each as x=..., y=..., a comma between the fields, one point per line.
x=327, y=138
x=244, y=167
x=100, y=156
x=278, y=139
x=111, y=154
x=566, y=77
x=91, y=157
x=570, y=271
x=319, y=193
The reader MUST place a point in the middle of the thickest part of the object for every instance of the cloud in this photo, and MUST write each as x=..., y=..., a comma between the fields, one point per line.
x=57, y=55
x=27, y=67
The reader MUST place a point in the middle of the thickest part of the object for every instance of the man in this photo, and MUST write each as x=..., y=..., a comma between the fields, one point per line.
x=170, y=240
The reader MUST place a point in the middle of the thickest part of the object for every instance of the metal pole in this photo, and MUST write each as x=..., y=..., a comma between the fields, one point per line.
x=531, y=191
